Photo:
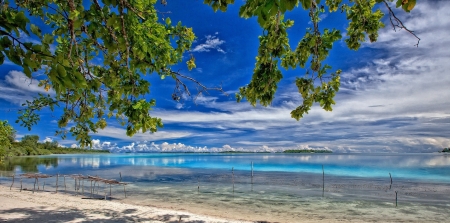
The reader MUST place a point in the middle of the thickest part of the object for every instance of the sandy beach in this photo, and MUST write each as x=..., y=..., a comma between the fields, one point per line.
x=46, y=206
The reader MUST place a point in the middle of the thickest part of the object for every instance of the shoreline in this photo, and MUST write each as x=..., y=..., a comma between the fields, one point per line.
x=46, y=206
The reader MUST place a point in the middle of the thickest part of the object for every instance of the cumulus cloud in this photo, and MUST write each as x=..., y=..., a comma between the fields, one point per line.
x=394, y=100
x=120, y=133
x=147, y=146
x=17, y=88
x=211, y=43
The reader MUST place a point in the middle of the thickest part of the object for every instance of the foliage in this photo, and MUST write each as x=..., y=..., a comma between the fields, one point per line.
x=307, y=151
x=446, y=150
x=126, y=36
x=319, y=85
x=105, y=47
x=30, y=145
x=7, y=135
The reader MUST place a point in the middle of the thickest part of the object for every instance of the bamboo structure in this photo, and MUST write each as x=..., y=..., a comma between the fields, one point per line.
x=36, y=177
x=79, y=182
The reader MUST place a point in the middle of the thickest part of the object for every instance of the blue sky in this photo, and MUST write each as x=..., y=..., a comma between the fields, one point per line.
x=394, y=97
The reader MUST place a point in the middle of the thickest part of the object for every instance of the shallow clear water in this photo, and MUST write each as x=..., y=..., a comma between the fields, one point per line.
x=284, y=188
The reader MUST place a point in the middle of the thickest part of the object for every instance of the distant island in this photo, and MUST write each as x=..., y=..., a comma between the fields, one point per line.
x=446, y=150
x=307, y=151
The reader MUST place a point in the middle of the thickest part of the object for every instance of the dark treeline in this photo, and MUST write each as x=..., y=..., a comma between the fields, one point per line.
x=30, y=145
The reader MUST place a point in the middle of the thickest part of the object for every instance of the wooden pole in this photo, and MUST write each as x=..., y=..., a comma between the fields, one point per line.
x=232, y=175
x=110, y=198
x=34, y=187
x=56, y=190
x=120, y=174
x=323, y=181
x=21, y=184
x=91, y=188
x=43, y=186
x=13, y=176
x=124, y=191
x=82, y=187
x=252, y=172
x=396, y=198
x=37, y=179
x=390, y=187
x=65, y=186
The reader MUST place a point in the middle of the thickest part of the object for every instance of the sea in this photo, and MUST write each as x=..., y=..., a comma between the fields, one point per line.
x=271, y=187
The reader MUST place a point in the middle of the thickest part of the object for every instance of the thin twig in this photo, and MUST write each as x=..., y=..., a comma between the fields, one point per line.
x=399, y=23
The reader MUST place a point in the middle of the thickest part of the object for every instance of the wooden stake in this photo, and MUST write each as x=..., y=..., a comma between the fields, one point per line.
x=13, y=176
x=396, y=198
x=323, y=181
x=56, y=191
x=43, y=186
x=34, y=187
x=37, y=179
x=390, y=187
x=252, y=172
x=120, y=174
x=65, y=186
x=232, y=174
x=124, y=191
x=21, y=184
x=110, y=198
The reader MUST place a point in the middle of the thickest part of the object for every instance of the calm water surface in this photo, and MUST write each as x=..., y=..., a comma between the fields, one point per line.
x=283, y=187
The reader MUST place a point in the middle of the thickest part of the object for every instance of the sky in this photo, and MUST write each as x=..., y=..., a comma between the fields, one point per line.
x=394, y=96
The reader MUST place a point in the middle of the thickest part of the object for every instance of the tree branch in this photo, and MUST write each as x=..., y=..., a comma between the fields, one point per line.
x=399, y=23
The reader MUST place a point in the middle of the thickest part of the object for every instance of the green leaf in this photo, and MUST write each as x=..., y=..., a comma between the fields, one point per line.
x=35, y=30
x=61, y=71
x=168, y=22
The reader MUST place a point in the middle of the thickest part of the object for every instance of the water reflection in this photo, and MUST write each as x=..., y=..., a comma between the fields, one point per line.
x=412, y=166
x=28, y=164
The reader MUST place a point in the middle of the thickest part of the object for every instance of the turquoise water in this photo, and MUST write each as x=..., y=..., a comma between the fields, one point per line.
x=419, y=167
x=285, y=187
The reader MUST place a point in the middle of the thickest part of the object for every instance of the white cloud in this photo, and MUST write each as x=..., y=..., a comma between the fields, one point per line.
x=47, y=139
x=17, y=88
x=147, y=146
x=120, y=133
x=211, y=43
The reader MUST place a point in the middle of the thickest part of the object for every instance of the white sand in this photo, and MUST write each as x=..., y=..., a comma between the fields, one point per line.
x=47, y=206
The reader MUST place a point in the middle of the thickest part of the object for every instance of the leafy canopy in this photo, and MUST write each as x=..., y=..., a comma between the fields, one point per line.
x=130, y=41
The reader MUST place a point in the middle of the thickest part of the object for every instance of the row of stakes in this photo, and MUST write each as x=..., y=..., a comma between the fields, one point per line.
x=80, y=178
x=79, y=182
x=323, y=181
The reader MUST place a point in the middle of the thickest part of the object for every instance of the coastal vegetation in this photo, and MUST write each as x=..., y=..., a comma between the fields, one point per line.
x=446, y=150
x=60, y=43
x=30, y=145
x=307, y=151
